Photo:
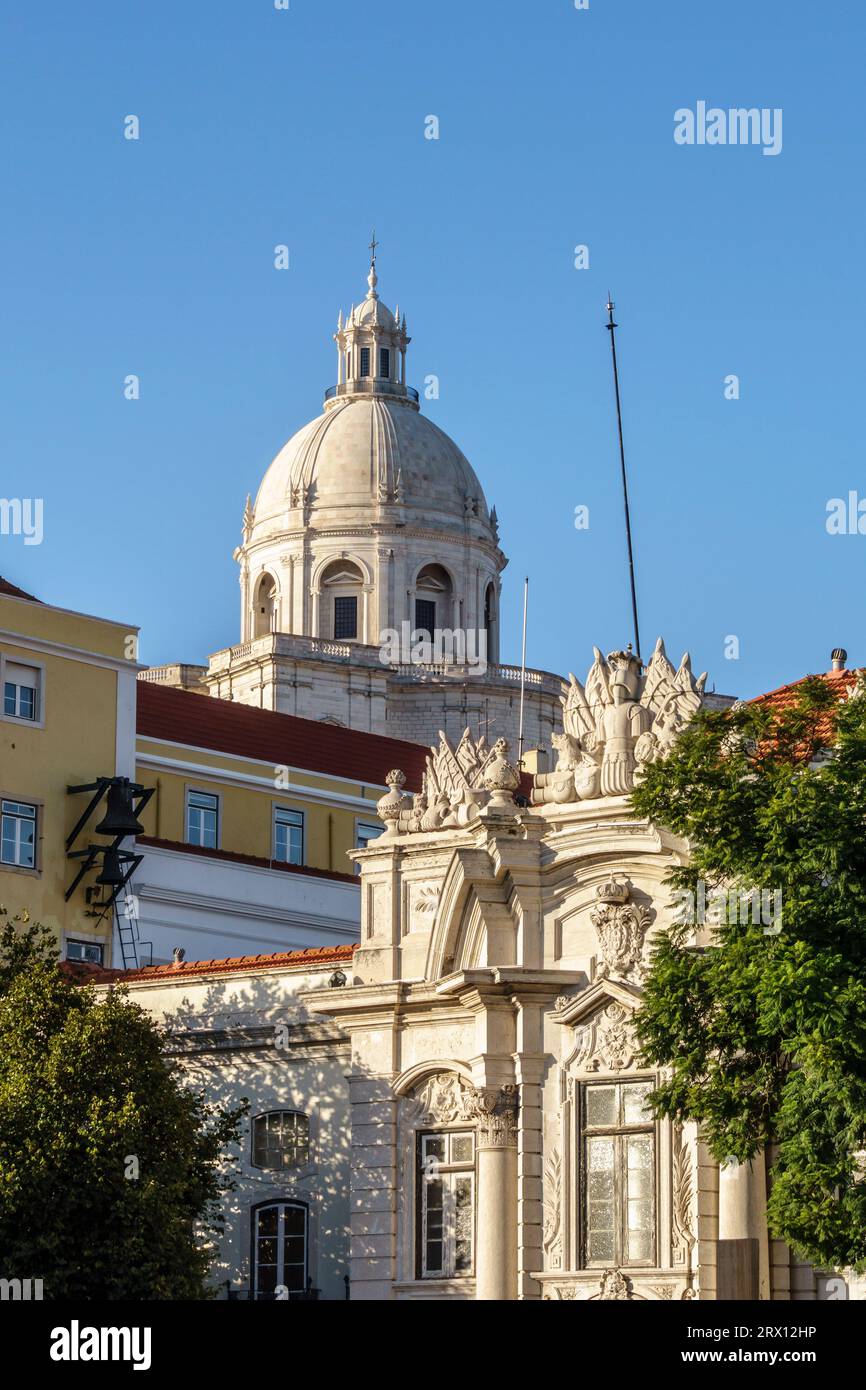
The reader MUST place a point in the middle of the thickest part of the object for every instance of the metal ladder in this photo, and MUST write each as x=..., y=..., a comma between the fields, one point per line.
x=126, y=911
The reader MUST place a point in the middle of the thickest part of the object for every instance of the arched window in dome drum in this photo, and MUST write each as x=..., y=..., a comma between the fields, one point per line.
x=432, y=599
x=490, y=622
x=342, y=583
x=264, y=607
x=384, y=362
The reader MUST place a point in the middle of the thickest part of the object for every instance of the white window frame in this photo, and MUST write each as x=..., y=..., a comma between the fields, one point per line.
x=295, y=1168
x=215, y=797
x=36, y=807
x=279, y=806
x=362, y=844
x=449, y=1174
x=89, y=945
x=39, y=667
x=281, y=1203
x=619, y=1133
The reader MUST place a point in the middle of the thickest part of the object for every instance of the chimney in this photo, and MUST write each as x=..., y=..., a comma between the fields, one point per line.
x=838, y=656
x=178, y=955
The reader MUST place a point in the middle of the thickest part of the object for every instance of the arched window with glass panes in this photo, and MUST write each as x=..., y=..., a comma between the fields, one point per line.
x=281, y=1139
x=280, y=1254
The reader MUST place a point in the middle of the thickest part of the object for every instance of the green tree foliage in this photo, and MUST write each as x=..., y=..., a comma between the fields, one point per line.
x=764, y=1030
x=88, y=1098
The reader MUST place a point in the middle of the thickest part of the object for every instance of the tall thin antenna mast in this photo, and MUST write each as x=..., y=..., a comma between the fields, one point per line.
x=522, y=673
x=611, y=327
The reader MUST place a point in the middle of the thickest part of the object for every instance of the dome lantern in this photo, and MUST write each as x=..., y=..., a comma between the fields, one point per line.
x=371, y=348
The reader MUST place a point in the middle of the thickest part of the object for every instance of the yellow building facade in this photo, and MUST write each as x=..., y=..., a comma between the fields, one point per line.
x=251, y=822
x=67, y=717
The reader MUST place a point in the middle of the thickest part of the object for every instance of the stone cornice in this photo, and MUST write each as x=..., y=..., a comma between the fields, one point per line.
x=474, y=987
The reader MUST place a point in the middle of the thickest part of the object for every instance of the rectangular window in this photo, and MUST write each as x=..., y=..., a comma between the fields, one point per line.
x=618, y=1174
x=281, y=1139
x=202, y=819
x=425, y=616
x=20, y=691
x=345, y=618
x=365, y=361
x=18, y=834
x=364, y=833
x=385, y=362
x=90, y=951
x=446, y=1205
x=288, y=836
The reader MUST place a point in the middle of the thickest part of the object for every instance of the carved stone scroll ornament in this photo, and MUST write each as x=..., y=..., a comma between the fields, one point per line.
x=621, y=926
x=614, y=1285
x=446, y=1099
x=552, y=1211
x=683, y=1174
x=495, y=1114
x=623, y=718
x=607, y=1042
x=458, y=783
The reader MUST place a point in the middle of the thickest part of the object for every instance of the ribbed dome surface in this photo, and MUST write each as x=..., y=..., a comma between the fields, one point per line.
x=371, y=311
x=363, y=453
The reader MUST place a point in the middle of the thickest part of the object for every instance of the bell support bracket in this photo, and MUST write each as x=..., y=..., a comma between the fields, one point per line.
x=139, y=796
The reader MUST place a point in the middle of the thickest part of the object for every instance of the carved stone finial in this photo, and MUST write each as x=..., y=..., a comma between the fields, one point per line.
x=248, y=518
x=389, y=807
x=501, y=778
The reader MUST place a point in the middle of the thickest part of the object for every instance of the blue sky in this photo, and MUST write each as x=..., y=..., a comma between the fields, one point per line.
x=306, y=127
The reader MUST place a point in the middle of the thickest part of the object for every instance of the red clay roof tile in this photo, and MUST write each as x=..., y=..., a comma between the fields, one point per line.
x=311, y=956
x=14, y=592
x=180, y=716
x=180, y=847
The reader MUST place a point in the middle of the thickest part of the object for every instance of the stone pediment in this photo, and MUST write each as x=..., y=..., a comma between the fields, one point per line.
x=599, y=1022
x=576, y=1009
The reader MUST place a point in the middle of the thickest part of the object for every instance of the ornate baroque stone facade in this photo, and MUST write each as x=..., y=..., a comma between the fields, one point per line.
x=493, y=995
x=469, y=1079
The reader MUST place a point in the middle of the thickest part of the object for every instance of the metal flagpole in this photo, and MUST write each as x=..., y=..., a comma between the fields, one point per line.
x=611, y=326
x=522, y=673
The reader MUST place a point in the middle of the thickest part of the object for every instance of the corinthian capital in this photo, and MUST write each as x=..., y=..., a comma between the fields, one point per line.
x=494, y=1110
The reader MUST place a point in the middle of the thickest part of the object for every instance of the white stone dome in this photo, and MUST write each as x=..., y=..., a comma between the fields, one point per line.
x=370, y=516
x=361, y=454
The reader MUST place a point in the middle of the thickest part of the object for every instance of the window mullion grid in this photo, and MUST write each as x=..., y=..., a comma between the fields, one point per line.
x=281, y=1247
